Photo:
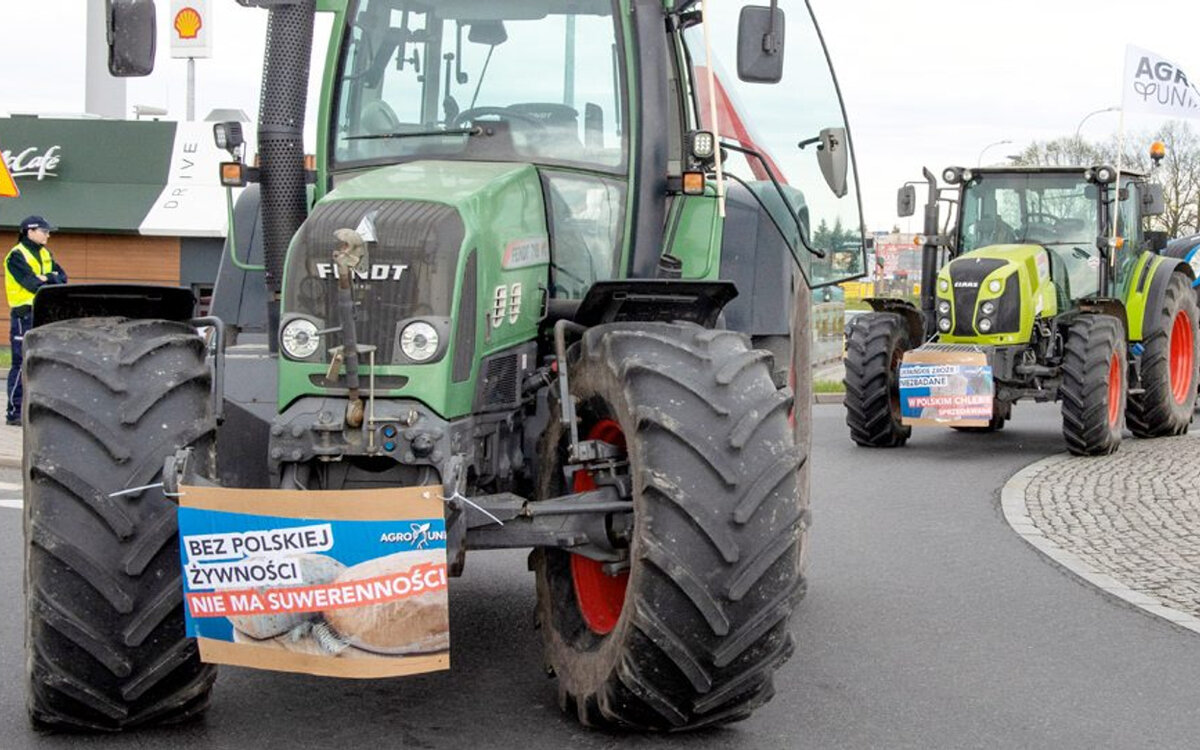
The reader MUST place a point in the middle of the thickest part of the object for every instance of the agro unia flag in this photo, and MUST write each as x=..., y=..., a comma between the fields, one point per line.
x=1158, y=86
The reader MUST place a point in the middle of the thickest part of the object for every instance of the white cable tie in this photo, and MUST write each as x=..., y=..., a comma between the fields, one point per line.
x=458, y=496
x=134, y=490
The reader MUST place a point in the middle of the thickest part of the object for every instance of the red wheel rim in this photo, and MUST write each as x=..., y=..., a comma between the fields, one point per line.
x=1183, y=353
x=600, y=596
x=1114, y=390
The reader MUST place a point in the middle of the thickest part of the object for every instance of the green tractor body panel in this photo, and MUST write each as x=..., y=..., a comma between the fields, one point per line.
x=1014, y=279
x=697, y=238
x=1143, y=285
x=504, y=243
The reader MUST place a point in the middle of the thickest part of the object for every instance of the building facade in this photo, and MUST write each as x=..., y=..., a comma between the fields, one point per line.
x=133, y=201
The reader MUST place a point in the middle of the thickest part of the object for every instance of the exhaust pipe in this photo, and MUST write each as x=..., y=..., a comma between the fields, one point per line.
x=281, y=140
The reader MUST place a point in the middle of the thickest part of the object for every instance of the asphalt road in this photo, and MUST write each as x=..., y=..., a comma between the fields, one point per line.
x=928, y=624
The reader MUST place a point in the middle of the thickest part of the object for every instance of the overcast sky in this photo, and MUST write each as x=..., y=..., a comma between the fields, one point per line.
x=926, y=82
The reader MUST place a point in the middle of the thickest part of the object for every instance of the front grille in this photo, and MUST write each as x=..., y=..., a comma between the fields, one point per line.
x=966, y=279
x=411, y=268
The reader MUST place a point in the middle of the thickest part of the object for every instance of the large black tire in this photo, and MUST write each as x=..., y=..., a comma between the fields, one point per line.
x=875, y=345
x=106, y=400
x=1170, y=365
x=716, y=550
x=1093, y=387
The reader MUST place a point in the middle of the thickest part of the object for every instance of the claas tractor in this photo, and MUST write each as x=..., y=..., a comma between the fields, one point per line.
x=1046, y=286
x=540, y=260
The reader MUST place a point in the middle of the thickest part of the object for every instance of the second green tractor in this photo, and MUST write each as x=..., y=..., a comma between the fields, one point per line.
x=1051, y=274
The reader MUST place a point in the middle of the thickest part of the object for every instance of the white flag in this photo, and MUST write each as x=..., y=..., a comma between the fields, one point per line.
x=1156, y=85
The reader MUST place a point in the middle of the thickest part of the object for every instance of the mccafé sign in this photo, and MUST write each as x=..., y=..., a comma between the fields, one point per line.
x=32, y=162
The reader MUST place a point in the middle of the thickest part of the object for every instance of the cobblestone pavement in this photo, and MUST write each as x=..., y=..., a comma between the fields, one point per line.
x=1129, y=522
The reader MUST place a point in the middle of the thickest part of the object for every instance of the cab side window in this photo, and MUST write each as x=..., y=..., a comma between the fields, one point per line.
x=585, y=217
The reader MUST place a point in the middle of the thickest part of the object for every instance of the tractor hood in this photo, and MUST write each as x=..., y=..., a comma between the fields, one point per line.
x=441, y=238
x=992, y=295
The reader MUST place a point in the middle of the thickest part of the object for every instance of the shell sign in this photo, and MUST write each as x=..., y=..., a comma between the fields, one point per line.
x=190, y=28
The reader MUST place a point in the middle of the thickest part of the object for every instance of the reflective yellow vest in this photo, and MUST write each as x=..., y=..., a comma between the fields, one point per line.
x=17, y=294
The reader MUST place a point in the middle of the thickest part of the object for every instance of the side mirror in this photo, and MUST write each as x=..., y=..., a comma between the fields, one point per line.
x=834, y=159
x=1153, y=202
x=906, y=201
x=131, y=37
x=760, y=44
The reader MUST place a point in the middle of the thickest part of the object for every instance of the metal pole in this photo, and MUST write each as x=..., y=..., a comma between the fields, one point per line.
x=1088, y=115
x=191, y=89
x=979, y=161
x=569, y=68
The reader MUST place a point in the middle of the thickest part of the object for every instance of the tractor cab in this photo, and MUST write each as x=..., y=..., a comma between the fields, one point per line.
x=1060, y=209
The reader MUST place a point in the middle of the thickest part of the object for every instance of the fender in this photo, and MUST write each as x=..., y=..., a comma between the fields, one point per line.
x=905, y=309
x=1146, y=290
x=54, y=303
x=1098, y=306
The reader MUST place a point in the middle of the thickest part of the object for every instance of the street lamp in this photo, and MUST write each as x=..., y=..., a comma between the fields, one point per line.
x=1089, y=114
x=979, y=161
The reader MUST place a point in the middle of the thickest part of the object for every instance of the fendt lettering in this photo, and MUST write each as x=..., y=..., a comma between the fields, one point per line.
x=377, y=272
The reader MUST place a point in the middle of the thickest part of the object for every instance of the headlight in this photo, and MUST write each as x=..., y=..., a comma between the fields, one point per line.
x=995, y=285
x=944, y=307
x=988, y=308
x=300, y=339
x=943, y=324
x=943, y=285
x=985, y=324
x=419, y=341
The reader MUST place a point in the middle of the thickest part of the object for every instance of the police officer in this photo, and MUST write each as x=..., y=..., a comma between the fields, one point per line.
x=28, y=267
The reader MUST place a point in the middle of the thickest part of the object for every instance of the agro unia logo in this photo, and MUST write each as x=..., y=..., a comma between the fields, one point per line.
x=188, y=23
x=1163, y=83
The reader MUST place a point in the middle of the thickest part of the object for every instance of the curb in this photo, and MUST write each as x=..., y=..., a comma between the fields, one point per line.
x=1012, y=502
x=828, y=398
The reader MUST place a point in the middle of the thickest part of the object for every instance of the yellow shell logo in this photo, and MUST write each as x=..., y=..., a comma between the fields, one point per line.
x=188, y=23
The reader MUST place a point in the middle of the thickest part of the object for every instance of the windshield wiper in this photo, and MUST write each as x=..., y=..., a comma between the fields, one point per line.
x=415, y=134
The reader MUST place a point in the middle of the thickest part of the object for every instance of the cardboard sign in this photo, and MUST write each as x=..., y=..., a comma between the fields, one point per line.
x=940, y=387
x=346, y=584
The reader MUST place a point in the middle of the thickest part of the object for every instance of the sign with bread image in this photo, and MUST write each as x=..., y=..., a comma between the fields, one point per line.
x=345, y=584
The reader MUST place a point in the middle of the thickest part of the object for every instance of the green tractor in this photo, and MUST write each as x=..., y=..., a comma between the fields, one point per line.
x=521, y=269
x=1048, y=287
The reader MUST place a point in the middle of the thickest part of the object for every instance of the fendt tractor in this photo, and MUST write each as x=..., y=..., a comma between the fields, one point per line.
x=541, y=262
x=1051, y=278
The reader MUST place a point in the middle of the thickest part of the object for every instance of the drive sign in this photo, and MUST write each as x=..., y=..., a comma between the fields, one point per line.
x=191, y=28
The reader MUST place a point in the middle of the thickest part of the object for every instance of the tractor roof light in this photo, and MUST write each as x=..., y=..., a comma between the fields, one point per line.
x=702, y=145
x=952, y=175
x=1101, y=175
x=228, y=136
x=1158, y=150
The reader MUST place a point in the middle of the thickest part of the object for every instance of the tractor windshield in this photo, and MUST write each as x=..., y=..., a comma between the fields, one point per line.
x=1058, y=211
x=506, y=80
